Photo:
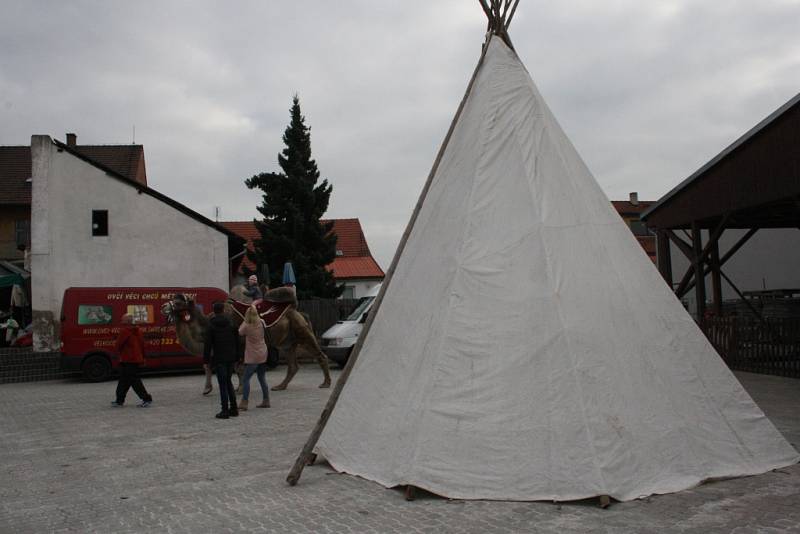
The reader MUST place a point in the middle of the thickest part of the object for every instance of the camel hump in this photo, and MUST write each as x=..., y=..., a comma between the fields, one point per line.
x=282, y=294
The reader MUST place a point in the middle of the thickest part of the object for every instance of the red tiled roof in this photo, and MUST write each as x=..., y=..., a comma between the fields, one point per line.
x=624, y=207
x=246, y=229
x=350, y=238
x=355, y=260
x=648, y=243
x=128, y=160
x=348, y=267
x=15, y=167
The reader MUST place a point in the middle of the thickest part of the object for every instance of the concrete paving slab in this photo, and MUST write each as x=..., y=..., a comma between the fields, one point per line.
x=71, y=463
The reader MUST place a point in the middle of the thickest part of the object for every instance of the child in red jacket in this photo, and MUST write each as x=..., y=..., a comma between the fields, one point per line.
x=130, y=347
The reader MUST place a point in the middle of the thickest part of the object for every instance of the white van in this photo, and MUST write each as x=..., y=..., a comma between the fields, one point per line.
x=338, y=340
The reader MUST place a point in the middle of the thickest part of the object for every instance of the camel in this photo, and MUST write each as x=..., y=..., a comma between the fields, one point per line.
x=291, y=332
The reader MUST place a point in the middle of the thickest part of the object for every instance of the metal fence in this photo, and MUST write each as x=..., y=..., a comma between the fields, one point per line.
x=745, y=344
x=325, y=312
x=24, y=365
x=771, y=346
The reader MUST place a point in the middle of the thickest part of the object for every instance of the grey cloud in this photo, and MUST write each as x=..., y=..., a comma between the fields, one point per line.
x=647, y=91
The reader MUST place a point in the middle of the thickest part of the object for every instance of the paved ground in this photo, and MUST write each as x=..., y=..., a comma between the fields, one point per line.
x=71, y=463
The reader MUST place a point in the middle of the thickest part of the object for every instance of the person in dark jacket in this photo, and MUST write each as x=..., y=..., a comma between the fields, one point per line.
x=221, y=352
x=130, y=347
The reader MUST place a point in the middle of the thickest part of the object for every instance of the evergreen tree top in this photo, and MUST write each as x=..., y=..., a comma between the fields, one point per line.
x=292, y=205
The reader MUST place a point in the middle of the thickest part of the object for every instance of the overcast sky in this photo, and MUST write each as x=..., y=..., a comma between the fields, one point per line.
x=647, y=91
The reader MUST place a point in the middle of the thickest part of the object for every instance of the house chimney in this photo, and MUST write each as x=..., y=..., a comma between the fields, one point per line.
x=72, y=139
x=635, y=198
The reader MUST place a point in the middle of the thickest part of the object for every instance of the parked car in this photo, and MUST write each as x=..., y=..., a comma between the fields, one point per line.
x=338, y=340
x=91, y=320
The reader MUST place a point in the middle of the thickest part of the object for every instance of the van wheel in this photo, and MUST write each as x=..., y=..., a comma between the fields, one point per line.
x=96, y=368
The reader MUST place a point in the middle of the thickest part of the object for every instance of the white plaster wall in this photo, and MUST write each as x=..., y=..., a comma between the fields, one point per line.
x=362, y=287
x=149, y=242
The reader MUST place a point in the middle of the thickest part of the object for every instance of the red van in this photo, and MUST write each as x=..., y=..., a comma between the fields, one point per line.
x=91, y=320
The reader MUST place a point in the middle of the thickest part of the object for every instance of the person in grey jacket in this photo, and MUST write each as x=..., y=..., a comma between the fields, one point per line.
x=252, y=290
x=221, y=352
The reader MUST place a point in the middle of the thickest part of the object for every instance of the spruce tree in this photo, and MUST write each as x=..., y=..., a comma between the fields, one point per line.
x=292, y=205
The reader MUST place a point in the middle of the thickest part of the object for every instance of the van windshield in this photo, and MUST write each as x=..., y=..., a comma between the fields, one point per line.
x=362, y=305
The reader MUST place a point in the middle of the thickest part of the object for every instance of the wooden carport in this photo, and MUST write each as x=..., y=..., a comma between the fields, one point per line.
x=753, y=184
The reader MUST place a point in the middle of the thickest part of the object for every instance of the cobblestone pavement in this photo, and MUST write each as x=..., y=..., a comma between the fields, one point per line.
x=71, y=463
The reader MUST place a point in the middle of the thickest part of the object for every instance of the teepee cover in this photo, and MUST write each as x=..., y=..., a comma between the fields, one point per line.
x=526, y=348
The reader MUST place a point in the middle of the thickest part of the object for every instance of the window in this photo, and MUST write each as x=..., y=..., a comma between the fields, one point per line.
x=363, y=304
x=349, y=292
x=22, y=232
x=94, y=314
x=639, y=228
x=141, y=313
x=99, y=222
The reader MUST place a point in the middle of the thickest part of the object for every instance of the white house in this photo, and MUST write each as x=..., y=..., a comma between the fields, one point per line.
x=91, y=226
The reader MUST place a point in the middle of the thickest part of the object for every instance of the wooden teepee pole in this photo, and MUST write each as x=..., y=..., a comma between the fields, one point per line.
x=308, y=450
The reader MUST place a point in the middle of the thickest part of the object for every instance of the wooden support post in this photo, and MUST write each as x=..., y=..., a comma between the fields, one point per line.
x=716, y=282
x=752, y=308
x=682, y=245
x=713, y=240
x=311, y=459
x=699, y=276
x=605, y=501
x=728, y=255
x=411, y=492
x=664, y=257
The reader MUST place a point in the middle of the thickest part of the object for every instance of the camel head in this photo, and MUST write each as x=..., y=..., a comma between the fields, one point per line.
x=179, y=309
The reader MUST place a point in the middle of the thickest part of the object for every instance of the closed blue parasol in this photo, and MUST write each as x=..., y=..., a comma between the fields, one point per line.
x=288, y=274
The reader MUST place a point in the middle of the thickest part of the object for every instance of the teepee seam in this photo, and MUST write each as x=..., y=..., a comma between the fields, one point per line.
x=437, y=352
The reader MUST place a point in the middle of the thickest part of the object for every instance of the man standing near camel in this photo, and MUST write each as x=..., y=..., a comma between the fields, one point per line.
x=221, y=352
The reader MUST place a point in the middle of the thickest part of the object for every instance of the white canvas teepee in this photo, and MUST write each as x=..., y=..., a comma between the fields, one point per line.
x=525, y=348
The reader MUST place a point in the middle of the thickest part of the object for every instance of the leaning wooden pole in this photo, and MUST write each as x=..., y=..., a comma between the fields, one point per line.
x=308, y=449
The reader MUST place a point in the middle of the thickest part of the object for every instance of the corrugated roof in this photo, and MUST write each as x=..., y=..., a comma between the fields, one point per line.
x=730, y=149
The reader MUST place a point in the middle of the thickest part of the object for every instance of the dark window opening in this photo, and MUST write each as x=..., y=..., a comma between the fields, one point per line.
x=639, y=228
x=99, y=222
x=22, y=232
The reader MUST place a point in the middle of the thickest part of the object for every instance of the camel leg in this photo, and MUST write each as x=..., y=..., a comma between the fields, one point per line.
x=306, y=337
x=323, y=362
x=291, y=369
